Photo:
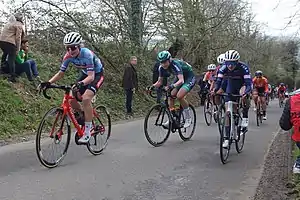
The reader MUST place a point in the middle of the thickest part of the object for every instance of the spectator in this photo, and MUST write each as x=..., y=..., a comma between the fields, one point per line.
x=289, y=119
x=10, y=43
x=26, y=65
x=130, y=83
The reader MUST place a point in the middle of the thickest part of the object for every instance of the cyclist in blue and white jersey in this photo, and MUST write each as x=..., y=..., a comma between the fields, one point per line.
x=89, y=81
x=237, y=75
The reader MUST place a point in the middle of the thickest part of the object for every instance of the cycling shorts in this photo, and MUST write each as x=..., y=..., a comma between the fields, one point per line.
x=188, y=84
x=260, y=91
x=94, y=85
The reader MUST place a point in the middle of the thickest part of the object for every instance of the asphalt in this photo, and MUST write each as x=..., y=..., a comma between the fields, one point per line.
x=131, y=169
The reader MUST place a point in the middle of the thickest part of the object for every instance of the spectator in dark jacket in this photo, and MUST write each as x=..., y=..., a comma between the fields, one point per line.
x=289, y=119
x=130, y=82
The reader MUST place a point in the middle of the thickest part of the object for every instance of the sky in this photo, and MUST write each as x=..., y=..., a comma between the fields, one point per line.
x=275, y=16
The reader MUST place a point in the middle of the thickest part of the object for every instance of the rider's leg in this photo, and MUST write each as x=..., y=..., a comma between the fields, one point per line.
x=255, y=98
x=172, y=100
x=171, y=105
x=263, y=105
x=88, y=114
x=185, y=105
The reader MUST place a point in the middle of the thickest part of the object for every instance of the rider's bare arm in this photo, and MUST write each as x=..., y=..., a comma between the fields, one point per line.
x=180, y=80
x=158, y=82
x=90, y=78
x=59, y=75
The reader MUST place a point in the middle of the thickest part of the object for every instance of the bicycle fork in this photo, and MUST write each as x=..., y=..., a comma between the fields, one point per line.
x=232, y=134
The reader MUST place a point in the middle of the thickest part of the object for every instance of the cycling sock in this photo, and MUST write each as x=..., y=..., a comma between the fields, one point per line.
x=264, y=113
x=227, y=132
x=88, y=127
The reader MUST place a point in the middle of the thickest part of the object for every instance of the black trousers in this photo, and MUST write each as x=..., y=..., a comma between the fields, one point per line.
x=129, y=95
x=10, y=51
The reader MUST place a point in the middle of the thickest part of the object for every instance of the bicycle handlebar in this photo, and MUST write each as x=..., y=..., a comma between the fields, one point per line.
x=151, y=90
x=61, y=87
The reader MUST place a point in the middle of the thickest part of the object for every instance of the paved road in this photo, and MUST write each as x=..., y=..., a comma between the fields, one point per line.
x=131, y=169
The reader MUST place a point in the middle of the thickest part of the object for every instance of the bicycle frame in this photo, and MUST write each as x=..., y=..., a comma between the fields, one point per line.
x=230, y=105
x=68, y=111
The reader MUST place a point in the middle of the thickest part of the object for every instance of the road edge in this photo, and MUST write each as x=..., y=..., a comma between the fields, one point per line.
x=253, y=177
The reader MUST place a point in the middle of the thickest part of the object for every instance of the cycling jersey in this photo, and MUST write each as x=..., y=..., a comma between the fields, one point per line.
x=208, y=76
x=177, y=67
x=235, y=78
x=281, y=89
x=259, y=83
x=86, y=60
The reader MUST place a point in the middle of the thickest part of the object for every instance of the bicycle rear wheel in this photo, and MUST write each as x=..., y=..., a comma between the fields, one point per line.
x=158, y=114
x=53, y=135
x=208, y=109
x=100, y=132
x=224, y=152
x=258, y=113
x=187, y=133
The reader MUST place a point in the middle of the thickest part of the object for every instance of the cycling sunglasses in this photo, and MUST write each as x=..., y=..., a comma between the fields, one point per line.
x=72, y=47
x=230, y=63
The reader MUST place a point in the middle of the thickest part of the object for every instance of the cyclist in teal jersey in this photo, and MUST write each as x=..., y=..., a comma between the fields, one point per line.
x=182, y=85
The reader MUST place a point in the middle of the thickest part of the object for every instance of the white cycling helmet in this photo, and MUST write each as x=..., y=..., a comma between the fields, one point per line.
x=221, y=58
x=232, y=55
x=211, y=67
x=72, y=38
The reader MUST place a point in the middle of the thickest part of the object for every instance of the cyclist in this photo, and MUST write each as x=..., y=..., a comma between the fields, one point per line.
x=209, y=75
x=184, y=82
x=91, y=77
x=220, y=60
x=236, y=74
x=281, y=91
x=260, y=90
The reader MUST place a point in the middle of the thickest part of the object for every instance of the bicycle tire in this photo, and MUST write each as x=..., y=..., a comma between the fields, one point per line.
x=207, y=105
x=164, y=110
x=221, y=112
x=258, y=115
x=89, y=146
x=224, y=157
x=193, y=124
x=44, y=162
x=238, y=147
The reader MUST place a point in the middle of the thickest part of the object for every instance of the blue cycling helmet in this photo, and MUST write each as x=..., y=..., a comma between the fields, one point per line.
x=163, y=56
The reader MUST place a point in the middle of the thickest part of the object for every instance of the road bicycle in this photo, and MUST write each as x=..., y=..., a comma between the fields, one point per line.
x=161, y=113
x=210, y=110
x=63, y=116
x=237, y=133
x=259, y=112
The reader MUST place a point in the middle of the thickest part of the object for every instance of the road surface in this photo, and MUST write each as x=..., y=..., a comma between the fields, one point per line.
x=131, y=169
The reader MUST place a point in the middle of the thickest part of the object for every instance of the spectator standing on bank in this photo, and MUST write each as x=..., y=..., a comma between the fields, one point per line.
x=130, y=83
x=10, y=43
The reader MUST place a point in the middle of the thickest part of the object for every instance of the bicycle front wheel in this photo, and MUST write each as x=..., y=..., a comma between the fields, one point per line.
x=51, y=131
x=100, y=132
x=224, y=152
x=187, y=133
x=208, y=107
x=158, y=120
